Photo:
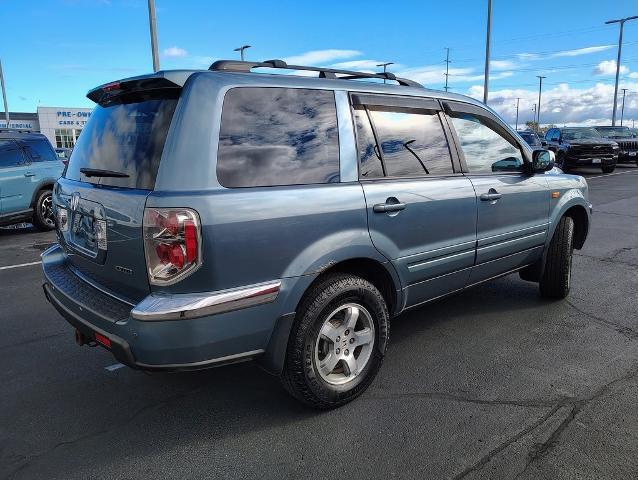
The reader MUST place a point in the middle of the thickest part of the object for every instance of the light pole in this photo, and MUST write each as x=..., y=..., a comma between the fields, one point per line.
x=447, y=67
x=622, y=110
x=153, y=25
x=486, y=83
x=622, y=26
x=538, y=108
x=385, y=67
x=241, y=51
x=518, y=99
x=534, y=110
x=4, y=96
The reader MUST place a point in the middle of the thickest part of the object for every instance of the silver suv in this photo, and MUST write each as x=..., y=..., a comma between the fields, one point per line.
x=210, y=217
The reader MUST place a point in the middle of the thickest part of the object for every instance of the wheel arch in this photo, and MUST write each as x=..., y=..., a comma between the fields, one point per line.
x=43, y=185
x=581, y=224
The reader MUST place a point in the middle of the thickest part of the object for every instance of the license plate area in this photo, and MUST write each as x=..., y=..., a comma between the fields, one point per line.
x=632, y=154
x=595, y=161
x=87, y=230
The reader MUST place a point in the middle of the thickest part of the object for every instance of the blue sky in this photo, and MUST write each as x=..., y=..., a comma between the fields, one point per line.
x=54, y=51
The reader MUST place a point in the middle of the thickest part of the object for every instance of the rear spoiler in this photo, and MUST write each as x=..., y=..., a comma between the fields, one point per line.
x=108, y=93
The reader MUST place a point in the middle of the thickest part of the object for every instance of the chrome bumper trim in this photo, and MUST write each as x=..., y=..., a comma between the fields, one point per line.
x=157, y=306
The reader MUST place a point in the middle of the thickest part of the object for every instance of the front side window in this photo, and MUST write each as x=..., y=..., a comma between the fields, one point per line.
x=10, y=154
x=485, y=150
x=278, y=136
x=39, y=149
x=409, y=142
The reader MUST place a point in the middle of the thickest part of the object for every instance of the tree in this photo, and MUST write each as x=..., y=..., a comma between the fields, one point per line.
x=531, y=125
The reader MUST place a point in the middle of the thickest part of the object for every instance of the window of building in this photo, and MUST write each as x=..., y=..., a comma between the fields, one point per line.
x=64, y=138
x=486, y=151
x=409, y=142
x=278, y=136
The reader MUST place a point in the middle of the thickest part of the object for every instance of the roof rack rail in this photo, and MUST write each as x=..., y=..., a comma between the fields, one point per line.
x=239, y=66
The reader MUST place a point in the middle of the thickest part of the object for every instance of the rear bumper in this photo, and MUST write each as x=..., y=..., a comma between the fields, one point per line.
x=182, y=343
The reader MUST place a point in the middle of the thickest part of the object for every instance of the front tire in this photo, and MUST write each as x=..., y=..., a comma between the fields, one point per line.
x=609, y=169
x=43, y=212
x=561, y=163
x=556, y=279
x=337, y=342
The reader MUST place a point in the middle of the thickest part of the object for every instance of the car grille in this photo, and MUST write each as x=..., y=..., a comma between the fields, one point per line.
x=627, y=145
x=591, y=151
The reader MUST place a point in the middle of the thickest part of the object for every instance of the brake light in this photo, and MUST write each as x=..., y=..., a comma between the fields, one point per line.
x=172, y=244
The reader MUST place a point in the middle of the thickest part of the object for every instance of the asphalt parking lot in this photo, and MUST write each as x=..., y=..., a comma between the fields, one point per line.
x=492, y=383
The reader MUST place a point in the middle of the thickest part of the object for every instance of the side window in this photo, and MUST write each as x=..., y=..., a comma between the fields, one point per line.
x=10, y=154
x=409, y=142
x=486, y=151
x=370, y=165
x=278, y=136
x=39, y=149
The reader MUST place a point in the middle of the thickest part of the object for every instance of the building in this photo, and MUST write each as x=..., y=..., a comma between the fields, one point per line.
x=62, y=126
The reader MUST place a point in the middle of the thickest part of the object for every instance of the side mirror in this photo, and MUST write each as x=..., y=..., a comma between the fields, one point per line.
x=542, y=161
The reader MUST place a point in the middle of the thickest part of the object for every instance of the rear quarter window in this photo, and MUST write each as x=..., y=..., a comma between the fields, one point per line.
x=278, y=136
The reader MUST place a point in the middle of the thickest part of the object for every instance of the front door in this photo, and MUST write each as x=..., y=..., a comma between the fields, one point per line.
x=513, y=206
x=421, y=209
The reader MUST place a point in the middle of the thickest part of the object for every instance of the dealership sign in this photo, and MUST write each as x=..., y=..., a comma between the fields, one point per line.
x=68, y=117
x=18, y=124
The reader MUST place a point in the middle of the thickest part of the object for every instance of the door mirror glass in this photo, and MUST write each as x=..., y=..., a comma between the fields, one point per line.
x=542, y=161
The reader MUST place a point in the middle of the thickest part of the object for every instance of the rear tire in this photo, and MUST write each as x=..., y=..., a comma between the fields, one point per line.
x=337, y=342
x=43, y=211
x=609, y=169
x=556, y=279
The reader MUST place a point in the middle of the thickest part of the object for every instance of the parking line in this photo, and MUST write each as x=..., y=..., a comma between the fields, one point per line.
x=115, y=366
x=612, y=174
x=20, y=265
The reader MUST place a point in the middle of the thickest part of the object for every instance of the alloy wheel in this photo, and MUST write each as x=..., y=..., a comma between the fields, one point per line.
x=344, y=345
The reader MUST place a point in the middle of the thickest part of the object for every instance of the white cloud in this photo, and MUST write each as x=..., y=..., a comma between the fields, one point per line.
x=174, y=52
x=560, y=104
x=319, y=57
x=582, y=51
x=608, y=67
x=633, y=75
x=365, y=66
x=502, y=64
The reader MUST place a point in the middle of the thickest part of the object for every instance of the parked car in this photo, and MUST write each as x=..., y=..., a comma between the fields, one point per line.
x=28, y=169
x=532, y=139
x=582, y=146
x=625, y=139
x=64, y=154
x=287, y=219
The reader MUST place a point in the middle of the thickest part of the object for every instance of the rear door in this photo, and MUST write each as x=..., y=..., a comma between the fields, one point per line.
x=513, y=206
x=15, y=192
x=104, y=241
x=421, y=209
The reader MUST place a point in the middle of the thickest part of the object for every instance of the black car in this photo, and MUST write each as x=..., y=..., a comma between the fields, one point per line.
x=582, y=146
x=532, y=139
x=626, y=140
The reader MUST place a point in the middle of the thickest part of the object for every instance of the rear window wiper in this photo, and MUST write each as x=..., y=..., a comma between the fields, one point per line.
x=98, y=172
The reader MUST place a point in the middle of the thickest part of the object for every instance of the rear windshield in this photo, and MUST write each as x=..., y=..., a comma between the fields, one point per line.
x=126, y=138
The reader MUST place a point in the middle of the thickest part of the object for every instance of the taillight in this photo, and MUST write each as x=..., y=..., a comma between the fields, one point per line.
x=172, y=244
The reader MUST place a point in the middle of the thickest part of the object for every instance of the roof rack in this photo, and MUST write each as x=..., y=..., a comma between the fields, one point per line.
x=239, y=66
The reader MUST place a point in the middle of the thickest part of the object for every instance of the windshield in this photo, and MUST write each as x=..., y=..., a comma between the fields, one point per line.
x=615, y=132
x=127, y=138
x=580, y=133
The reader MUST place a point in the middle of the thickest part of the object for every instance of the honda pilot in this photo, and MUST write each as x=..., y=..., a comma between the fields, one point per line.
x=212, y=217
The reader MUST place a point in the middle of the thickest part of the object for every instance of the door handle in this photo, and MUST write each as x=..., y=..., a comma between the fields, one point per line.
x=29, y=174
x=388, y=207
x=491, y=196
